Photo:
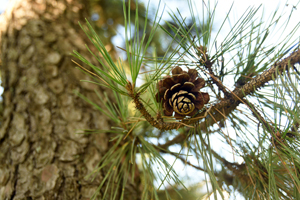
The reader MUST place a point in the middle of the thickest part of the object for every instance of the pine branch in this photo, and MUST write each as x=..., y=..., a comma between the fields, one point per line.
x=178, y=139
x=232, y=166
x=190, y=164
x=258, y=116
x=208, y=65
x=228, y=105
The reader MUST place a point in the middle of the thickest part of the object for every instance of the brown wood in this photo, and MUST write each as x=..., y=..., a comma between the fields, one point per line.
x=41, y=155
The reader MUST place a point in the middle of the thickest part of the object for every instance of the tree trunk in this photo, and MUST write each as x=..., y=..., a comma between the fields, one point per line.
x=41, y=155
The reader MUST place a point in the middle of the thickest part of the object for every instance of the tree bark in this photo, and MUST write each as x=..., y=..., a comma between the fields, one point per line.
x=41, y=155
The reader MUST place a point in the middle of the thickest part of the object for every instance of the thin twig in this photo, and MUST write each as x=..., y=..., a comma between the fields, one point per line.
x=208, y=65
x=178, y=139
x=190, y=164
x=232, y=166
x=90, y=72
x=258, y=116
x=181, y=158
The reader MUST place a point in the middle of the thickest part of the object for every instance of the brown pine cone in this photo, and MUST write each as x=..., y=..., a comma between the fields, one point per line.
x=180, y=93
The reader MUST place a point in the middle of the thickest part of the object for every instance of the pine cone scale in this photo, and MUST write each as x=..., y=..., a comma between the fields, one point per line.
x=199, y=83
x=176, y=86
x=183, y=78
x=192, y=96
x=168, y=111
x=168, y=82
x=180, y=93
x=167, y=94
x=188, y=86
x=201, y=99
x=177, y=70
x=193, y=74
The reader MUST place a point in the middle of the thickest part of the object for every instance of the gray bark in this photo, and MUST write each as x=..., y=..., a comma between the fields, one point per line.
x=41, y=155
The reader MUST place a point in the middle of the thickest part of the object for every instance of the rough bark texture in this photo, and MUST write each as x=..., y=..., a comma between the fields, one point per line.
x=41, y=155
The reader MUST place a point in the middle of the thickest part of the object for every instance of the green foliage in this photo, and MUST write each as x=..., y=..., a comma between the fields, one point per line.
x=263, y=129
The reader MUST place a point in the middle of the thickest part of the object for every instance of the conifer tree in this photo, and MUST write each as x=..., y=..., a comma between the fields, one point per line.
x=107, y=136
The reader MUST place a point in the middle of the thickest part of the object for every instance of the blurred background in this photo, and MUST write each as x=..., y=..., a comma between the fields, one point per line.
x=108, y=20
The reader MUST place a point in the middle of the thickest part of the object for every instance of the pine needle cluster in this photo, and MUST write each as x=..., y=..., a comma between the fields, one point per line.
x=259, y=106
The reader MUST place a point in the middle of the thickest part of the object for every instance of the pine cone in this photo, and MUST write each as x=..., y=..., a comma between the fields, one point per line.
x=180, y=93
